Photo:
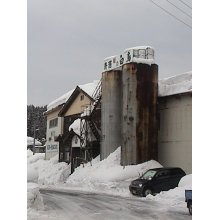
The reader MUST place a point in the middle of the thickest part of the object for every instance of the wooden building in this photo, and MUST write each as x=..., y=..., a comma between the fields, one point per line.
x=61, y=114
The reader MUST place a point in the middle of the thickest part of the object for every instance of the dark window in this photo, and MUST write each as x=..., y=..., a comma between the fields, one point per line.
x=175, y=172
x=53, y=123
x=82, y=97
x=163, y=174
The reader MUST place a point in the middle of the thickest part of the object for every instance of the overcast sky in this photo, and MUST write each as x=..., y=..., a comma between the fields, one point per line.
x=69, y=39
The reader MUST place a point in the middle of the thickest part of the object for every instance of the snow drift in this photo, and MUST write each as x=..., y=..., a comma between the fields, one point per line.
x=108, y=174
x=46, y=172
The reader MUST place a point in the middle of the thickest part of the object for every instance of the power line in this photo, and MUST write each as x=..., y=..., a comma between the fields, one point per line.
x=171, y=14
x=179, y=9
x=185, y=4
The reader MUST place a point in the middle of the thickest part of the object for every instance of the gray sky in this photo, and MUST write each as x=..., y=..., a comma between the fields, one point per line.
x=69, y=39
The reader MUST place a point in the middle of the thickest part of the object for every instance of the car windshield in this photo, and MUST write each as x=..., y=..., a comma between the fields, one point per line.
x=149, y=174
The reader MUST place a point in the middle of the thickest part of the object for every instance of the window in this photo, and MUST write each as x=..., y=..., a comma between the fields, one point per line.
x=149, y=174
x=82, y=97
x=163, y=174
x=76, y=139
x=67, y=156
x=52, y=134
x=53, y=123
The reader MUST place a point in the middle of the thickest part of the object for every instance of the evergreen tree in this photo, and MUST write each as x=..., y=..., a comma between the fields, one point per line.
x=36, y=120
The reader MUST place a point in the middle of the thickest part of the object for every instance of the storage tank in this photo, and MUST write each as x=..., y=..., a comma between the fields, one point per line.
x=111, y=108
x=139, y=106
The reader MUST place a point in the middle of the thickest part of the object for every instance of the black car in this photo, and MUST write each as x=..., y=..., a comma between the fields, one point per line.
x=156, y=180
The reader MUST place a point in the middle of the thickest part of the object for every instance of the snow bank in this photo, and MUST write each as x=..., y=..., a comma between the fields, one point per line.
x=176, y=84
x=108, y=174
x=176, y=196
x=53, y=172
x=43, y=171
x=30, y=141
x=34, y=199
x=186, y=182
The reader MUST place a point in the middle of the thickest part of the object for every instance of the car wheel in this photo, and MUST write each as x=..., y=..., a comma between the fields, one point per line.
x=147, y=192
x=190, y=208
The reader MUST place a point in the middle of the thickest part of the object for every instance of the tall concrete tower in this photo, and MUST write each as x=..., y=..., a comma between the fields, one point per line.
x=139, y=113
x=111, y=110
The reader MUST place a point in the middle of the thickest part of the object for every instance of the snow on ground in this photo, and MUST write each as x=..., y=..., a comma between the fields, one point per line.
x=106, y=176
x=98, y=176
x=34, y=199
x=40, y=172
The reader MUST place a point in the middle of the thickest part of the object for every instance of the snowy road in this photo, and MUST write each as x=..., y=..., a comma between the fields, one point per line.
x=86, y=206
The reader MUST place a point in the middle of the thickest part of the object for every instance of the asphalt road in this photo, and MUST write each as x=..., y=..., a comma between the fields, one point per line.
x=85, y=206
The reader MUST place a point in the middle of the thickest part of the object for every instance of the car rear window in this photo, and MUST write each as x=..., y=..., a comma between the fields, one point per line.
x=163, y=173
x=176, y=172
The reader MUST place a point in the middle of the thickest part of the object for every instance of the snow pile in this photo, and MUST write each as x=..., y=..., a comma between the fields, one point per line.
x=108, y=174
x=53, y=172
x=30, y=141
x=34, y=158
x=46, y=171
x=176, y=84
x=33, y=164
x=34, y=199
x=176, y=196
x=75, y=126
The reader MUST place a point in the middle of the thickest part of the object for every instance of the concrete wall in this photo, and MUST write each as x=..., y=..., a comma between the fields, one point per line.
x=175, y=132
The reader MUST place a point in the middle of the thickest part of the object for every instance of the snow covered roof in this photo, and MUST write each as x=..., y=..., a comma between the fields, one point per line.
x=59, y=101
x=30, y=141
x=87, y=88
x=177, y=84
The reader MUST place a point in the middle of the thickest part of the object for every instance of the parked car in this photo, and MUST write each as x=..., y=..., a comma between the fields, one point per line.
x=188, y=200
x=156, y=180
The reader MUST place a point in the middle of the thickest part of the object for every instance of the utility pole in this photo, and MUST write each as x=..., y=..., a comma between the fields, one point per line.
x=34, y=138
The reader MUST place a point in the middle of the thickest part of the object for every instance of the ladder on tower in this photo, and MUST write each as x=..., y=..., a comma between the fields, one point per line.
x=88, y=123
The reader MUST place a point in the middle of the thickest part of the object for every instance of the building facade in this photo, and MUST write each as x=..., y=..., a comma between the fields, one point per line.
x=54, y=129
x=175, y=131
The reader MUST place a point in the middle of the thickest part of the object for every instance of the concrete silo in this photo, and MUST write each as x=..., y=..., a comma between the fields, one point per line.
x=111, y=109
x=139, y=107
